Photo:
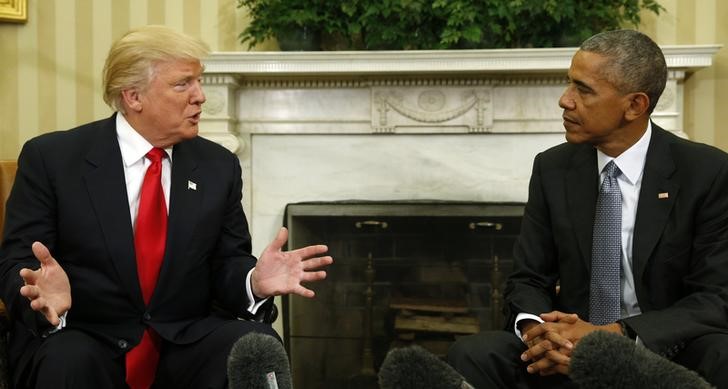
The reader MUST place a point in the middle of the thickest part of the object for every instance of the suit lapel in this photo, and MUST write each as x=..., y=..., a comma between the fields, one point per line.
x=657, y=197
x=581, y=197
x=106, y=185
x=184, y=206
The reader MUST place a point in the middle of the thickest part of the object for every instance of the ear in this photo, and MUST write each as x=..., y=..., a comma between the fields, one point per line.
x=131, y=99
x=637, y=105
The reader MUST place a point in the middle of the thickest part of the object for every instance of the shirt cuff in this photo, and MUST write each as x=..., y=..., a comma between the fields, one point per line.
x=524, y=316
x=60, y=325
x=255, y=302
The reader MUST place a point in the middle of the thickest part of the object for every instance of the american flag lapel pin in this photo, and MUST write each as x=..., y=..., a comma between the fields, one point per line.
x=191, y=185
x=663, y=195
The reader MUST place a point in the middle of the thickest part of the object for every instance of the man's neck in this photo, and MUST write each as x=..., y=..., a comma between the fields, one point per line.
x=625, y=137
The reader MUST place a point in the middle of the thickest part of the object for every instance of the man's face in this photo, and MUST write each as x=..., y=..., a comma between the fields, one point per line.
x=593, y=108
x=172, y=103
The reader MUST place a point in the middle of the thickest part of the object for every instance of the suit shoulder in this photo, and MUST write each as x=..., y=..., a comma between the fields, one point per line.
x=693, y=158
x=691, y=151
x=562, y=153
x=63, y=140
x=208, y=149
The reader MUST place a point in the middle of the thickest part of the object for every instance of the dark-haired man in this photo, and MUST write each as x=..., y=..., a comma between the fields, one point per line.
x=628, y=219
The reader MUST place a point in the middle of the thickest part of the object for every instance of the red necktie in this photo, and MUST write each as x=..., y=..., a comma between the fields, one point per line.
x=150, y=238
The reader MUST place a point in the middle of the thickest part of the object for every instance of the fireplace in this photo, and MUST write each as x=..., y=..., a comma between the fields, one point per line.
x=406, y=272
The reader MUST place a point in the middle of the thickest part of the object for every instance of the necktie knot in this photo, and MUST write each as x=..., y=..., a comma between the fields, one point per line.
x=156, y=154
x=612, y=170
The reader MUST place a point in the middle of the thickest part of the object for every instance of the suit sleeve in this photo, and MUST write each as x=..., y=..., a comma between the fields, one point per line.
x=232, y=259
x=30, y=217
x=531, y=287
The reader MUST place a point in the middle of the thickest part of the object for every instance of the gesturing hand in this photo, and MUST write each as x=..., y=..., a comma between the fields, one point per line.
x=281, y=272
x=47, y=288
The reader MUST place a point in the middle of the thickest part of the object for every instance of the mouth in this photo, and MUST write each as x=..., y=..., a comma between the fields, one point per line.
x=569, y=121
x=195, y=118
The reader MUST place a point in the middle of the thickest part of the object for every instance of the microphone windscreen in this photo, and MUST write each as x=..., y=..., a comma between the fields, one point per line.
x=604, y=360
x=413, y=367
x=258, y=361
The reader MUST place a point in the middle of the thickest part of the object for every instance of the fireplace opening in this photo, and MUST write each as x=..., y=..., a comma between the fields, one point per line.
x=404, y=273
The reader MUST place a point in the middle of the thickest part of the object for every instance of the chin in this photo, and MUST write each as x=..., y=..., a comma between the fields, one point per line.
x=574, y=138
x=190, y=132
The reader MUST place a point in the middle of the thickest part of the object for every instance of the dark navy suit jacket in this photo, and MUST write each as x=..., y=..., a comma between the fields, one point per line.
x=680, y=241
x=70, y=194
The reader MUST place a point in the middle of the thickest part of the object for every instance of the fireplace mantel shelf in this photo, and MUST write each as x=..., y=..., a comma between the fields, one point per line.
x=543, y=60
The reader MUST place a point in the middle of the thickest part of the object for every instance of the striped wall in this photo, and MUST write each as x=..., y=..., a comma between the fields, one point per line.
x=50, y=74
x=50, y=67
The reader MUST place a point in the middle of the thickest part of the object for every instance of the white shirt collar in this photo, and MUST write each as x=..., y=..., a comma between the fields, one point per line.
x=632, y=161
x=133, y=146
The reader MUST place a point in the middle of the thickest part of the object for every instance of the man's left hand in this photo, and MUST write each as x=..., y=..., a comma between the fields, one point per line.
x=550, y=343
x=281, y=272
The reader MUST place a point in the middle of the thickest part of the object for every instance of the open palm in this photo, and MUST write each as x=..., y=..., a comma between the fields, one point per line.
x=281, y=272
x=47, y=288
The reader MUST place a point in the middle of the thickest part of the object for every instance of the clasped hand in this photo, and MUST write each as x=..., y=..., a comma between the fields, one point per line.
x=551, y=343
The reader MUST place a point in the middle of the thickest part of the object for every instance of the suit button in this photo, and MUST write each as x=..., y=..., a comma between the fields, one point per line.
x=147, y=316
x=123, y=344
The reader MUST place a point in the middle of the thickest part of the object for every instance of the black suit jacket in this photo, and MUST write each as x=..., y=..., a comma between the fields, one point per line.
x=70, y=194
x=680, y=243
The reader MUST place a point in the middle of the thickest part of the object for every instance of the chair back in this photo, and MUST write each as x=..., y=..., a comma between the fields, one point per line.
x=7, y=177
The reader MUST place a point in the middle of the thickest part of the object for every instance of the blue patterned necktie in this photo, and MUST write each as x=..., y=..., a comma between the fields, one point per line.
x=605, y=293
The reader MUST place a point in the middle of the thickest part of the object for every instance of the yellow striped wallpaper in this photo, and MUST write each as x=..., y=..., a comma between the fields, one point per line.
x=50, y=67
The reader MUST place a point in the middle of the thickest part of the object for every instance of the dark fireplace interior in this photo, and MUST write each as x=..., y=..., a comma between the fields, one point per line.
x=404, y=273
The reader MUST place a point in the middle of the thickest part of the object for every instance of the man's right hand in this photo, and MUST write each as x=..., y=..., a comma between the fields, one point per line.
x=47, y=288
x=548, y=350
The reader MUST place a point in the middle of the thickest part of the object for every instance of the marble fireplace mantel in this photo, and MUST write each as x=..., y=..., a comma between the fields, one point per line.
x=228, y=74
x=396, y=125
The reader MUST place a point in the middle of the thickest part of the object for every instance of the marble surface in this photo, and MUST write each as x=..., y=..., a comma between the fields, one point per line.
x=462, y=167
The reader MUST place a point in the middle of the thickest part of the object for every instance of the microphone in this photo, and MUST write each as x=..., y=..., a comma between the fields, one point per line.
x=258, y=361
x=605, y=360
x=413, y=367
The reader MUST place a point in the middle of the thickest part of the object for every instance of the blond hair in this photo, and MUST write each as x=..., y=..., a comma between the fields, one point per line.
x=132, y=59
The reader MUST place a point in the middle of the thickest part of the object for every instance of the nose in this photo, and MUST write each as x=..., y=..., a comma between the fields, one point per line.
x=197, y=94
x=566, y=101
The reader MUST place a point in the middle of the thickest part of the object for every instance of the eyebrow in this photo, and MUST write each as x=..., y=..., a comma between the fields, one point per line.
x=580, y=83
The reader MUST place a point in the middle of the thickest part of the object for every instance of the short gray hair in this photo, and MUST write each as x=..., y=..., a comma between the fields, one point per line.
x=636, y=63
